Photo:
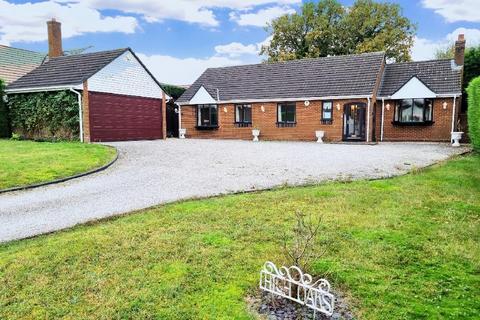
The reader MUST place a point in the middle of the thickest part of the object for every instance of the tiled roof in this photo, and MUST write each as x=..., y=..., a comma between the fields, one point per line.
x=15, y=63
x=441, y=76
x=349, y=75
x=66, y=70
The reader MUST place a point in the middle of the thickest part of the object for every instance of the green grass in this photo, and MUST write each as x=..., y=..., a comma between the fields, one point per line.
x=403, y=248
x=27, y=162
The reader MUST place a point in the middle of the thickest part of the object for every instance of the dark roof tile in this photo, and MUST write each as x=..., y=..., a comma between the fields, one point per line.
x=66, y=70
x=329, y=76
x=441, y=76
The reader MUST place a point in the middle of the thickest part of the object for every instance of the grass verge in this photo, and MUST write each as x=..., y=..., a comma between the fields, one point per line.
x=406, y=247
x=26, y=162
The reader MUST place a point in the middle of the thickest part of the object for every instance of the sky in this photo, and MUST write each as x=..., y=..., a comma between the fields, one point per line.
x=179, y=39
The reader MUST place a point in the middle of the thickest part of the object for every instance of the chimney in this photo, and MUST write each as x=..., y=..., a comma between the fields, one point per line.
x=54, y=39
x=460, y=50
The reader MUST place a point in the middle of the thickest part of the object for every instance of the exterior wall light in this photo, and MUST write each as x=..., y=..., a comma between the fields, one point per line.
x=306, y=103
x=388, y=106
x=225, y=109
x=445, y=105
x=338, y=106
x=262, y=108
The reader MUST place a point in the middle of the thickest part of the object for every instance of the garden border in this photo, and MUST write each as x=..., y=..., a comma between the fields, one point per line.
x=57, y=181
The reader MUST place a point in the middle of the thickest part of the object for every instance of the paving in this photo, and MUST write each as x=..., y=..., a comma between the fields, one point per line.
x=149, y=173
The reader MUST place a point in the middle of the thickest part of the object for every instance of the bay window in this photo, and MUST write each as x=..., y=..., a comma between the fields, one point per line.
x=207, y=116
x=414, y=111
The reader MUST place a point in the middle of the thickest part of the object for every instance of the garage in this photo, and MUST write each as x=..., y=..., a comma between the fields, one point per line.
x=115, y=117
x=116, y=96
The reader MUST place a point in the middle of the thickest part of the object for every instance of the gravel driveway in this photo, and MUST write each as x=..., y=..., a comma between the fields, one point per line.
x=153, y=172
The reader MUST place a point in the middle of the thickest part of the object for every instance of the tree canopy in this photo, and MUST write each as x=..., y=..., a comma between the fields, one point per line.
x=328, y=28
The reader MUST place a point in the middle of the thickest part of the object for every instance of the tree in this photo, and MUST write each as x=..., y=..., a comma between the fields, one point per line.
x=474, y=112
x=446, y=52
x=328, y=28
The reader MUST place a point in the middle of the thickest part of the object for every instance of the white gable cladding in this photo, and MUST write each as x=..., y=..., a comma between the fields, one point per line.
x=125, y=75
x=202, y=97
x=414, y=89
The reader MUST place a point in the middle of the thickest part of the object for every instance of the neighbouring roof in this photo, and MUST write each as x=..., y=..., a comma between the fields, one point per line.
x=15, y=62
x=66, y=70
x=349, y=75
x=440, y=76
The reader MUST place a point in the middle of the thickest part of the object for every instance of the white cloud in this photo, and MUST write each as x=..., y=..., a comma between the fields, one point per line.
x=455, y=10
x=424, y=49
x=180, y=71
x=261, y=17
x=27, y=22
x=193, y=11
x=236, y=49
x=166, y=68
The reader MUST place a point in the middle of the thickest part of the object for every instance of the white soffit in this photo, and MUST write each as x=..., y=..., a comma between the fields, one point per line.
x=414, y=89
x=202, y=97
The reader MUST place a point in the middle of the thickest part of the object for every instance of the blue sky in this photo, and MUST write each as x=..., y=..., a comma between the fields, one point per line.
x=178, y=39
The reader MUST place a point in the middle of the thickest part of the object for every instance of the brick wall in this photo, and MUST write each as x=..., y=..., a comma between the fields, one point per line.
x=85, y=113
x=438, y=131
x=308, y=121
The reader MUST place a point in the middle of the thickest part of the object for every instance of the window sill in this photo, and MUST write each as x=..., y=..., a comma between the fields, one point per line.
x=242, y=124
x=286, y=124
x=326, y=121
x=206, y=127
x=413, y=124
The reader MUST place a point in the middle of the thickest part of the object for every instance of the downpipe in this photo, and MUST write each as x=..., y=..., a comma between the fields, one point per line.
x=80, y=111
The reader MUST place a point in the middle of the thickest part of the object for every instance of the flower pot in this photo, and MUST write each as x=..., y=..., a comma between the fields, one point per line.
x=456, y=137
x=320, y=134
x=181, y=133
x=255, y=134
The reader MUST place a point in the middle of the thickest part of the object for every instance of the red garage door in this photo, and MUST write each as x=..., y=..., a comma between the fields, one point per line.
x=116, y=117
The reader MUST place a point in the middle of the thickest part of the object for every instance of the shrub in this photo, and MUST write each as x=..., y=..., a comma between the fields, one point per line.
x=474, y=112
x=4, y=123
x=45, y=115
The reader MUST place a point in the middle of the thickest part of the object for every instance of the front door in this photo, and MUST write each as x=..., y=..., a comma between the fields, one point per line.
x=354, y=115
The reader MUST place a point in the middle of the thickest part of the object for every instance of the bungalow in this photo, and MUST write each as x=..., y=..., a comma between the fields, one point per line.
x=350, y=98
x=119, y=99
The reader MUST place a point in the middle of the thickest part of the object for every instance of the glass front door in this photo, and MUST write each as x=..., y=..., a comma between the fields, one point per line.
x=354, y=122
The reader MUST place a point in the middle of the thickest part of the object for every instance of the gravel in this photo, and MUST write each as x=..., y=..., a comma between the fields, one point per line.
x=148, y=173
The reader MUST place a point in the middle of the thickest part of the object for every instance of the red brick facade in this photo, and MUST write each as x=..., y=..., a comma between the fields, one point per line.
x=309, y=120
x=438, y=131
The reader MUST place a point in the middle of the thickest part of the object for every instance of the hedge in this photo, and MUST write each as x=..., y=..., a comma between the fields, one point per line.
x=4, y=123
x=474, y=112
x=45, y=115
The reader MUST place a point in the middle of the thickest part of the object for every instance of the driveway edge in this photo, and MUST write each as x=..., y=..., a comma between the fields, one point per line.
x=42, y=184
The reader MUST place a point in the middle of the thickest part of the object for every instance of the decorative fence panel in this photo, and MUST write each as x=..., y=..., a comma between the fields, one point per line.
x=291, y=283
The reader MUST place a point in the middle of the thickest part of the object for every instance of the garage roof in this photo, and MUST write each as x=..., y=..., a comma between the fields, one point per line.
x=66, y=70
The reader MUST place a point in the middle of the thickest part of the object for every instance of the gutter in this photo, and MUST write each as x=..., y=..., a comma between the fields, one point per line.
x=80, y=111
x=282, y=100
x=383, y=119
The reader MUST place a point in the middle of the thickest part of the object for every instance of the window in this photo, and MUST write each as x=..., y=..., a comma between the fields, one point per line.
x=327, y=112
x=414, y=111
x=286, y=115
x=243, y=115
x=207, y=116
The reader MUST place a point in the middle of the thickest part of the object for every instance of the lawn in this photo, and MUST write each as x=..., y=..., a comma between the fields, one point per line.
x=403, y=248
x=27, y=162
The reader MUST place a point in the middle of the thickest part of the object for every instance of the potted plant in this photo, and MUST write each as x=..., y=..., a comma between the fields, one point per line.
x=457, y=135
x=255, y=133
x=182, y=132
x=320, y=134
